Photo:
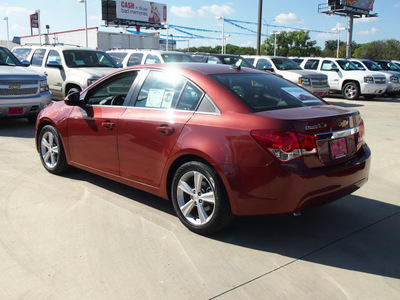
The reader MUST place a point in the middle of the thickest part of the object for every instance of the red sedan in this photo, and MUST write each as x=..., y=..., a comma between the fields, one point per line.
x=216, y=140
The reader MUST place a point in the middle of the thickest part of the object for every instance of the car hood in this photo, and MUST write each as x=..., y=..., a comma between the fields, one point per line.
x=18, y=71
x=303, y=73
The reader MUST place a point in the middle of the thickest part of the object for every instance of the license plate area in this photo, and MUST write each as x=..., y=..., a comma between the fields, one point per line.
x=15, y=110
x=338, y=148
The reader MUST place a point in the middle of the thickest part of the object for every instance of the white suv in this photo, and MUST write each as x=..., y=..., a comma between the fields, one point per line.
x=68, y=68
x=131, y=57
x=344, y=77
x=312, y=81
x=23, y=93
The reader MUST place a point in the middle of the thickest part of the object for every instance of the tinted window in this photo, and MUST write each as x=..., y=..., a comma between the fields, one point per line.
x=372, y=66
x=263, y=92
x=176, y=58
x=190, y=97
x=113, y=91
x=285, y=64
x=213, y=60
x=263, y=63
x=135, y=59
x=88, y=59
x=160, y=90
x=7, y=58
x=328, y=65
x=37, y=57
x=311, y=64
x=118, y=56
x=359, y=65
x=22, y=54
x=346, y=65
x=152, y=59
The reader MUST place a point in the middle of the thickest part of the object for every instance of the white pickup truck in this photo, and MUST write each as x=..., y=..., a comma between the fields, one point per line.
x=346, y=78
x=312, y=81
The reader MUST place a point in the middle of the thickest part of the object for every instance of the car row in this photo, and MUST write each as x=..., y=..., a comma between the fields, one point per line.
x=218, y=141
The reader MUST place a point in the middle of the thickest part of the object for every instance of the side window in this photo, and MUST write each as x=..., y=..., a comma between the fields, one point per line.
x=160, y=90
x=311, y=64
x=327, y=65
x=191, y=96
x=53, y=56
x=37, y=57
x=263, y=63
x=135, y=59
x=213, y=60
x=114, y=92
x=152, y=59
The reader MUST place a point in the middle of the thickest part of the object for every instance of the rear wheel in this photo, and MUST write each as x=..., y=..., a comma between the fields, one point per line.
x=351, y=91
x=51, y=150
x=199, y=198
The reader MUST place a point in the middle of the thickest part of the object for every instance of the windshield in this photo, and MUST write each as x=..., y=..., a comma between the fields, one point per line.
x=372, y=66
x=346, y=65
x=88, y=59
x=359, y=65
x=393, y=66
x=7, y=58
x=175, y=57
x=22, y=53
x=263, y=92
x=118, y=56
x=285, y=64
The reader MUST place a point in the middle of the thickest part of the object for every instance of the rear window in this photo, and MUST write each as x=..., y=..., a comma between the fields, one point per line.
x=118, y=56
x=263, y=92
x=22, y=53
x=177, y=58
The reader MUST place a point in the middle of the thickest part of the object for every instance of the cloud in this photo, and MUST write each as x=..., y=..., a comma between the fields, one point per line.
x=289, y=18
x=215, y=9
x=248, y=44
x=370, y=32
x=14, y=10
x=365, y=20
x=397, y=5
x=183, y=11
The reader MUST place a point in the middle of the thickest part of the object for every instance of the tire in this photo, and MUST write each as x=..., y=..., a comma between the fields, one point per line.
x=51, y=150
x=351, y=91
x=199, y=198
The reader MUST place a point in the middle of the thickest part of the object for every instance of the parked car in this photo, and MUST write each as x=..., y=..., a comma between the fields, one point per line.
x=345, y=78
x=392, y=78
x=23, y=93
x=215, y=140
x=312, y=81
x=396, y=62
x=225, y=59
x=68, y=68
x=387, y=65
x=131, y=57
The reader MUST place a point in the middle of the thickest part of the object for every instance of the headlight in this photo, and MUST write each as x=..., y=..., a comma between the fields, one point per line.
x=44, y=86
x=369, y=79
x=304, y=81
x=92, y=80
x=394, y=79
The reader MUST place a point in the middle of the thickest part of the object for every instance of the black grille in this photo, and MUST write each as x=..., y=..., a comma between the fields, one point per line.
x=18, y=92
x=12, y=82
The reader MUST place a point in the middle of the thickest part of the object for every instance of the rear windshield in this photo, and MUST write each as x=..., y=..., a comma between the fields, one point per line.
x=168, y=58
x=118, y=56
x=88, y=59
x=263, y=92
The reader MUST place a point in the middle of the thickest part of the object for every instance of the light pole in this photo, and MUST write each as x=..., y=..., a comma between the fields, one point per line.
x=167, y=27
x=225, y=41
x=8, y=36
x=223, y=32
x=275, y=33
x=338, y=40
x=86, y=31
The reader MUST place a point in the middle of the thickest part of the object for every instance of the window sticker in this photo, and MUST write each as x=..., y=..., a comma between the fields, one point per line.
x=300, y=94
x=159, y=98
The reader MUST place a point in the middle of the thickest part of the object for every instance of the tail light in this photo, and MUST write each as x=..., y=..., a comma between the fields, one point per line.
x=285, y=145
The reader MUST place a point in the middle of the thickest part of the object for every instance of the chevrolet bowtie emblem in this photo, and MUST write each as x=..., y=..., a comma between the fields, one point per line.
x=14, y=87
x=344, y=123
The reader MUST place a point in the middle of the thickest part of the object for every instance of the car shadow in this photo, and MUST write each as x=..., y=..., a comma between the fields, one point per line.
x=17, y=128
x=353, y=233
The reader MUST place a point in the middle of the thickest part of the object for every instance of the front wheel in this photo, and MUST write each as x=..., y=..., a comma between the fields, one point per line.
x=351, y=91
x=199, y=198
x=51, y=150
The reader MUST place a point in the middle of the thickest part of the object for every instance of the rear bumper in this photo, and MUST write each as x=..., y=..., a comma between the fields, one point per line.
x=27, y=106
x=275, y=189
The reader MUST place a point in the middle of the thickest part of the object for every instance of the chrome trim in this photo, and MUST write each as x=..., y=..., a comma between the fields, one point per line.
x=337, y=134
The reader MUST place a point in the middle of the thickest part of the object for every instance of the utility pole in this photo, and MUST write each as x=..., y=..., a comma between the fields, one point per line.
x=259, y=26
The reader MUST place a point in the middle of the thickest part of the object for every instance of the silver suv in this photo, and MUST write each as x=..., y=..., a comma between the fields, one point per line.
x=131, y=57
x=23, y=93
x=68, y=68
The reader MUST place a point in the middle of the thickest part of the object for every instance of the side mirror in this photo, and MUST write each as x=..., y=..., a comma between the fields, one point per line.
x=25, y=63
x=54, y=64
x=73, y=99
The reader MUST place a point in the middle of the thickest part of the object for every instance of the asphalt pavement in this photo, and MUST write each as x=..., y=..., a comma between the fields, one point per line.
x=80, y=236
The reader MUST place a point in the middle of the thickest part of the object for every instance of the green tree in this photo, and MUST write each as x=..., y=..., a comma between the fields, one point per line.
x=291, y=43
x=385, y=49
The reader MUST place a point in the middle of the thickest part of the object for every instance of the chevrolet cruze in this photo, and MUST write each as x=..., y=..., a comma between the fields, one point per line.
x=218, y=141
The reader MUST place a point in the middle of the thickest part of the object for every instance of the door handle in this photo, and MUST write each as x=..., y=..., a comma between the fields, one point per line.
x=165, y=129
x=108, y=125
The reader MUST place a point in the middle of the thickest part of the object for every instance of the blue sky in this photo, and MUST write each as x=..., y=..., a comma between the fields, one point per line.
x=62, y=15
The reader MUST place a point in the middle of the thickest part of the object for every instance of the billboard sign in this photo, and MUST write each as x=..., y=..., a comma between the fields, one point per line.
x=34, y=20
x=366, y=5
x=142, y=11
